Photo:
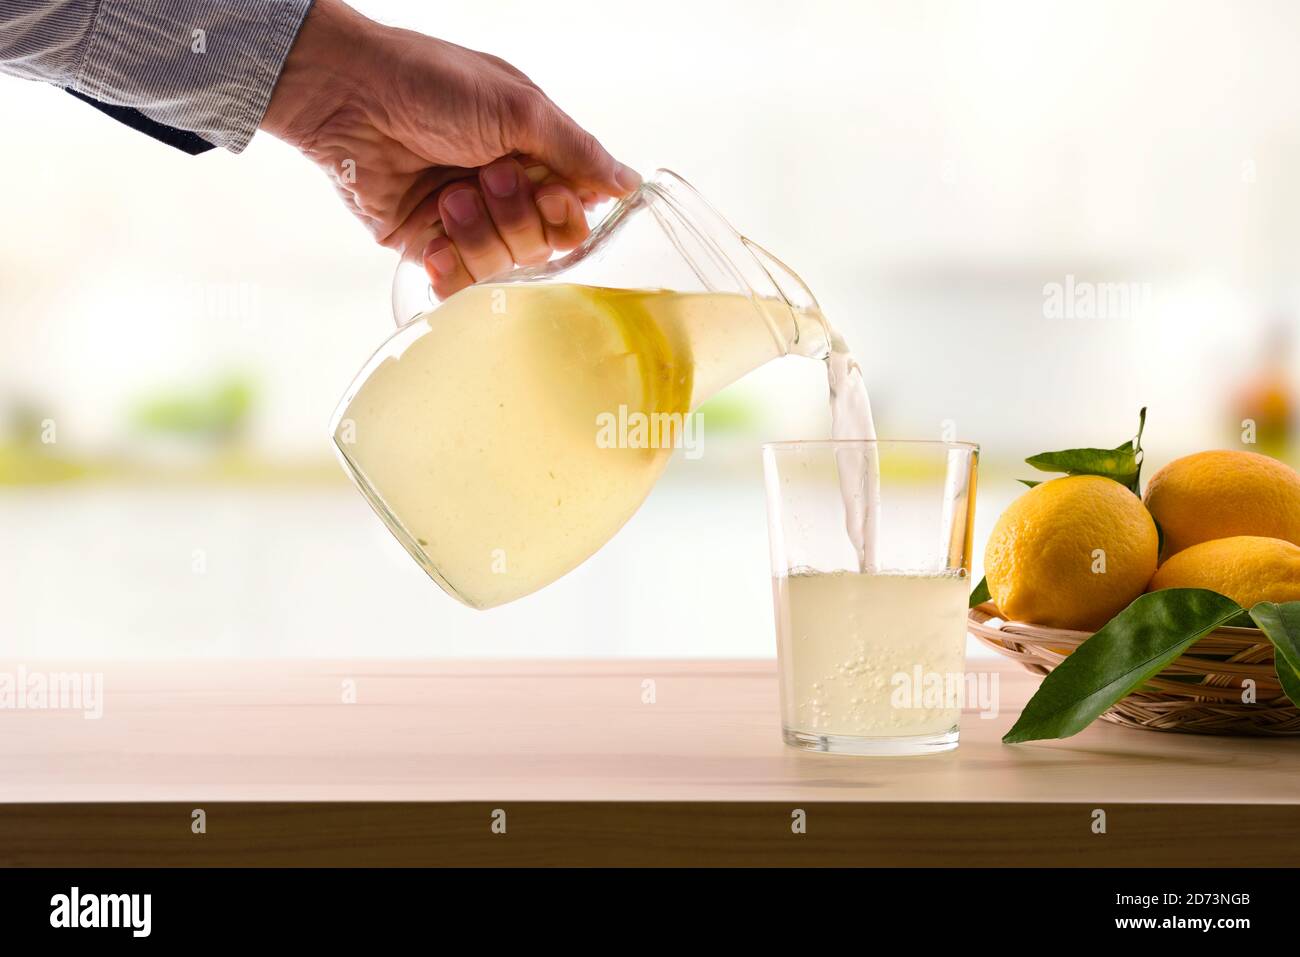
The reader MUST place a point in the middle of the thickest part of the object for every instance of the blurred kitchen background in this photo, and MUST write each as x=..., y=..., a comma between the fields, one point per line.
x=959, y=183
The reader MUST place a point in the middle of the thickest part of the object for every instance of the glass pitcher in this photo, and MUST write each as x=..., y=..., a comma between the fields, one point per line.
x=507, y=433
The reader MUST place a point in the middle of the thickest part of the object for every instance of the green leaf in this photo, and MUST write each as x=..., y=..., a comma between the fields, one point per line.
x=1123, y=464
x=1134, y=645
x=1028, y=483
x=1112, y=463
x=1282, y=625
x=981, y=593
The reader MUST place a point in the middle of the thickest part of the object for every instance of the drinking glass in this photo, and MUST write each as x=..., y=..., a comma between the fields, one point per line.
x=871, y=548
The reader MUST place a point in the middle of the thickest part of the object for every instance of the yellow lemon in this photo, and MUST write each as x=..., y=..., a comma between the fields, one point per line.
x=1246, y=568
x=1223, y=494
x=1070, y=553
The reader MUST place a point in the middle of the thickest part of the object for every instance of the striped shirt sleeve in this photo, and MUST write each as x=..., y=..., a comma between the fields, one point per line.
x=207, y=66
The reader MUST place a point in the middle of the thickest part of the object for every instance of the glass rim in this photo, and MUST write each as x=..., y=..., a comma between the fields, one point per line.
x=794, y=445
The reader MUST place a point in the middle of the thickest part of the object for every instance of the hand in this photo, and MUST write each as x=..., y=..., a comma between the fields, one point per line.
x=447, y=155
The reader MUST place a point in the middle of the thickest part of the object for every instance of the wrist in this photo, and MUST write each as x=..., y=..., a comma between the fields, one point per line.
x=323, y=71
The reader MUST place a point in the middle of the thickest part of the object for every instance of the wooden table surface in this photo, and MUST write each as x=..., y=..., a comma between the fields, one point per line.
x=554, y=740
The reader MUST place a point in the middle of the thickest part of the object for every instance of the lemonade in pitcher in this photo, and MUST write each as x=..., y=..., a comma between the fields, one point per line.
x=507, y=435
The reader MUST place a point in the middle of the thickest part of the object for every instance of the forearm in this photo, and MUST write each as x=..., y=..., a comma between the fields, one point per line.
x=208, y=66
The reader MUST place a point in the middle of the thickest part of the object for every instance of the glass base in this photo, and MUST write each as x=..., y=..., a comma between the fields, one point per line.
x=880, y=747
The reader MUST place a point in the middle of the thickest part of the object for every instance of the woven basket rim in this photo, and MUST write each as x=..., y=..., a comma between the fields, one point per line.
x=988, y=611
x=1199, y=692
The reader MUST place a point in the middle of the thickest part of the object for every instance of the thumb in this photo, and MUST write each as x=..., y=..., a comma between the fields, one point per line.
x=574, y=154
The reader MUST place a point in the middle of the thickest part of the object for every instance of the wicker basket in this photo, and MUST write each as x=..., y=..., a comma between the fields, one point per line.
x=1198, y=693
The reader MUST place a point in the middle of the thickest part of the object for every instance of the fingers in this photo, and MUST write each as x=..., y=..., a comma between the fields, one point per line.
x=423, y=225
x=465, y=217
x=561, y=214
x=540, y=175
x=548, y=134
x=517, y=212
x=446, y=271
x=508, y=192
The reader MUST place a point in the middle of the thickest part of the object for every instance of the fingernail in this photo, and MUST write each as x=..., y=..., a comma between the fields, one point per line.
x=442, y=260
x=554, y=209
x=627, y=177
x=501, y=180
x=462, y=206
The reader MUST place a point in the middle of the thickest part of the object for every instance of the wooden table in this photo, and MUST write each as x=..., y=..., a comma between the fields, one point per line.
x=593, y=762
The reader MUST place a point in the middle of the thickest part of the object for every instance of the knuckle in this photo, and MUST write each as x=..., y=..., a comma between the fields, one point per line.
x=507, y=67
x=587, y=147
x=519, y=105
x=527, y=107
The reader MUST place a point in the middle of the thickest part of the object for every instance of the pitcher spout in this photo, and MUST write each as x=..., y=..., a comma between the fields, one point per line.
x=810, y=335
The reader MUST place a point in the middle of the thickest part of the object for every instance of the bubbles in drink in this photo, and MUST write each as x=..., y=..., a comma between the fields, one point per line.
x=846, y=638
